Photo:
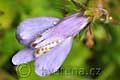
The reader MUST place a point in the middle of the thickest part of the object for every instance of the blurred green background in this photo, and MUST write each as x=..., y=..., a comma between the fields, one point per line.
x=102, y=62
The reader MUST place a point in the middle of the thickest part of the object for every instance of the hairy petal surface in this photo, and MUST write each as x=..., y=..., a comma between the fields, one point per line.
x=23, y=56
x=50, y=62
x=49, y=40
x=31, y=28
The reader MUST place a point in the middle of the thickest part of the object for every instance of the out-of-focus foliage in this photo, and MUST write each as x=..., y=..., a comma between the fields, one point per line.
x=35, y=8
x=7, y=13
x=102, y=62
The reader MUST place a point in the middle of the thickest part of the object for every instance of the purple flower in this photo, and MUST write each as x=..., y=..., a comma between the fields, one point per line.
x=48, y=41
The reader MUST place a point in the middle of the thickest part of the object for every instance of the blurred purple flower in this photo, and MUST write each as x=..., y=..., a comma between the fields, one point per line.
x=48, y=41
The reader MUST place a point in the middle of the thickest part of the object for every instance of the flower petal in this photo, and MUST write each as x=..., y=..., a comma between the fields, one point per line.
x=72, y=25
x=33, y=27
x=50, y=62
x=49, y=40
x=23, y=56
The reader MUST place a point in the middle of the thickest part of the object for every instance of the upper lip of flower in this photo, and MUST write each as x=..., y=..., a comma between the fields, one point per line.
x=43, y=35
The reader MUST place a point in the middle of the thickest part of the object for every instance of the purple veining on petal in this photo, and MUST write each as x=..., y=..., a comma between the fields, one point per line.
x=33, y=27
x=51, y=61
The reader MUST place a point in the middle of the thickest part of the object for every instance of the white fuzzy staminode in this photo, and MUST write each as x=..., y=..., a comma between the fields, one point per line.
x=46, y=48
